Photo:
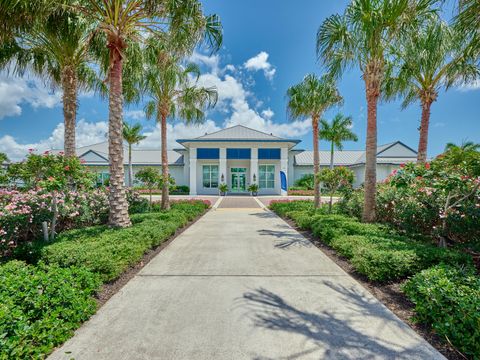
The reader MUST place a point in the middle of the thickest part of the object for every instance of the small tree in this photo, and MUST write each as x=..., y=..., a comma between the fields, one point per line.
x=336, y=179
x=151, y=178
x=307, y=181
x=132, y=135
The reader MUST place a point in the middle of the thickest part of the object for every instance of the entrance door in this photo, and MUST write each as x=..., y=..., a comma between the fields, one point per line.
x=239, y=181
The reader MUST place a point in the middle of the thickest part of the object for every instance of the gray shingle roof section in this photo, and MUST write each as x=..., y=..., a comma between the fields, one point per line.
x=238, y=132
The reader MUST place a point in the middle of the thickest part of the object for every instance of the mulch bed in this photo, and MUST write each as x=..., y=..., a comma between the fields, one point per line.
x=109, y=289
x=388, y=294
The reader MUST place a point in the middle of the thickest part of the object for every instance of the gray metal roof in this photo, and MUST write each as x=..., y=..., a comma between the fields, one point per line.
x=346, y=157
x=139, y=156
x=238, y=133
x=356, y=157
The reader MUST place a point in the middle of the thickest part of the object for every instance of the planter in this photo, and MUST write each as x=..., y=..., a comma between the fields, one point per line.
x=254, y=193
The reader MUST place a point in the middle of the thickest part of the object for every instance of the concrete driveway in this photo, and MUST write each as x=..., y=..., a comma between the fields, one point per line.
x=241, y=284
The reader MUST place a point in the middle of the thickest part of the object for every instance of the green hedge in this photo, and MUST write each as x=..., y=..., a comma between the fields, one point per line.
x=448, y=298
x=109, y=252
x=375, y=251
x=41, y=306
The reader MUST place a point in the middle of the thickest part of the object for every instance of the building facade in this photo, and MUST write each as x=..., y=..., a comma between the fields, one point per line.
x=240, y=156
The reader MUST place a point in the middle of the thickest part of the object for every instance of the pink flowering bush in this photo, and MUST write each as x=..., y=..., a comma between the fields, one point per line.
x=22, y=213
x=440, y=199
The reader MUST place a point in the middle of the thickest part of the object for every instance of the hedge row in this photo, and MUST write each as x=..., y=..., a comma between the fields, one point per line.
x=375, y=251
x=41, y=305
x=448, y=298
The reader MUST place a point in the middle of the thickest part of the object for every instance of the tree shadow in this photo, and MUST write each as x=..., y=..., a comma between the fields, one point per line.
x=286, y=239
x=326, y=335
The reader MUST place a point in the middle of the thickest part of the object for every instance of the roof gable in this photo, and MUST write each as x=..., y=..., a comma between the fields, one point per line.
x=238, y=132
x=91, y=156
x=396, y=149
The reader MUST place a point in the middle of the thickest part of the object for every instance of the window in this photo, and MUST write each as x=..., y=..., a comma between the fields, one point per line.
x=210, y=176
x=238, y=153
x=103, y=178
x=266, y=178
x=208, y=153
x=269, y=154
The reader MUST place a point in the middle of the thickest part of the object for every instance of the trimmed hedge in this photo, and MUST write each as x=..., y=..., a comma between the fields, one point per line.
x=448, y=298
x=109, y=252
x=375, y=251
x=41, y=306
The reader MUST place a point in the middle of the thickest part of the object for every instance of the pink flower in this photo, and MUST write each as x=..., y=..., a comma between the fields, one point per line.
x=427, y=166
x=67, y=168
x=402, y=166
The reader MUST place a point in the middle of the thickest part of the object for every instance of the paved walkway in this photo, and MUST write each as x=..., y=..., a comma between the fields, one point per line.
x=242, y=284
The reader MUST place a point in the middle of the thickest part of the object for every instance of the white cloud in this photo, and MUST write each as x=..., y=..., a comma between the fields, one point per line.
x=176, y=131
x=134, y=114
x=474, y=85
x=87, y=133
x=260, y=62
x=268, y=113
x=15, y=91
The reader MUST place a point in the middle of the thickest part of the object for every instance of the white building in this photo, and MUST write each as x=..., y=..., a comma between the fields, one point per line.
x=240, y=156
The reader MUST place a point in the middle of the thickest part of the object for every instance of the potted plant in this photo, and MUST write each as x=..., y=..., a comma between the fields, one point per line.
x=223, y=188
x=253, y=188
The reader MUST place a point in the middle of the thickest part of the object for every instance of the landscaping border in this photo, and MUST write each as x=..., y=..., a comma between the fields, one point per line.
x=109, y=289
x=389, y=294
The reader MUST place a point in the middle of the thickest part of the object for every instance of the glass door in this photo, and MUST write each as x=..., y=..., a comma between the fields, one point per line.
x=239, y=179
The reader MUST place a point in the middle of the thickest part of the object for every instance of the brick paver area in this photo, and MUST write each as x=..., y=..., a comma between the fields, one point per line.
x=238, y=202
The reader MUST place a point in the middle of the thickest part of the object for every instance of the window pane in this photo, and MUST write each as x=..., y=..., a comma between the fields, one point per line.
x=270, y=184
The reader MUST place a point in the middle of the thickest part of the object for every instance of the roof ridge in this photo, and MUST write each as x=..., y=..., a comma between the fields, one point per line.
x=242, y=126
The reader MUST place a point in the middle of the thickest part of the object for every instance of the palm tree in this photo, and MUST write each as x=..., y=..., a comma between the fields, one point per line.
x=431, y=58
x=337, y=132
x=132, y=135
x=311, y=98
x=3, y=158
x=174, y=93
x=467, y=22
x=57, y=50
x=130, y=21
x=362, y=36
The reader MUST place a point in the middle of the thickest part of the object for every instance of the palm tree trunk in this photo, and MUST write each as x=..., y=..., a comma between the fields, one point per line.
x=118, y=216
x=316, y=161
x=165, y=184
x=372, y=85
x=130, y=167
x=331, y=156
x=423, y=141
x=69, y=87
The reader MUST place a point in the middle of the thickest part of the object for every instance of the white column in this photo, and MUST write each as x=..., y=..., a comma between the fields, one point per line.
x=284, y=167
x=193, y=171
x=254, y=165
x=222, y=168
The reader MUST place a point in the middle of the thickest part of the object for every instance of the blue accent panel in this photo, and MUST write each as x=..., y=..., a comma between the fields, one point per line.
x=239, y=154
x=208, y=153
x=269, y=154
x=283, y=180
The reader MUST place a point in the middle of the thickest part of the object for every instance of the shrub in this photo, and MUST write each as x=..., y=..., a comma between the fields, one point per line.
x=41, y=306
x=283, y=206
x=109, y=252
x=181, y=190
x=448, y=298
x=306, y=182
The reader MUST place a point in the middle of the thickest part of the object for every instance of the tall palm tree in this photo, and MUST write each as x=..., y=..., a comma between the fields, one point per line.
x=431, y=57
x=124, y=21
x=311, y=98
x=362, y=36
x=57, y=50
x=337, y=132
x=174, y=94
x=132, y=135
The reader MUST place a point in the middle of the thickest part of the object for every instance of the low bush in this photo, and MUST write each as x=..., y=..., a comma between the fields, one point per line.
x=448, y=299
x=109, y=252
x=375, y=250
x=41, y=306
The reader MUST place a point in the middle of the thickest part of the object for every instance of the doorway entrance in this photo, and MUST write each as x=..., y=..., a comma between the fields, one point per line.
x=239, y=179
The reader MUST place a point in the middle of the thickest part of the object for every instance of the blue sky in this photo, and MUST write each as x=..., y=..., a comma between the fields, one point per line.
x=268, y=46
